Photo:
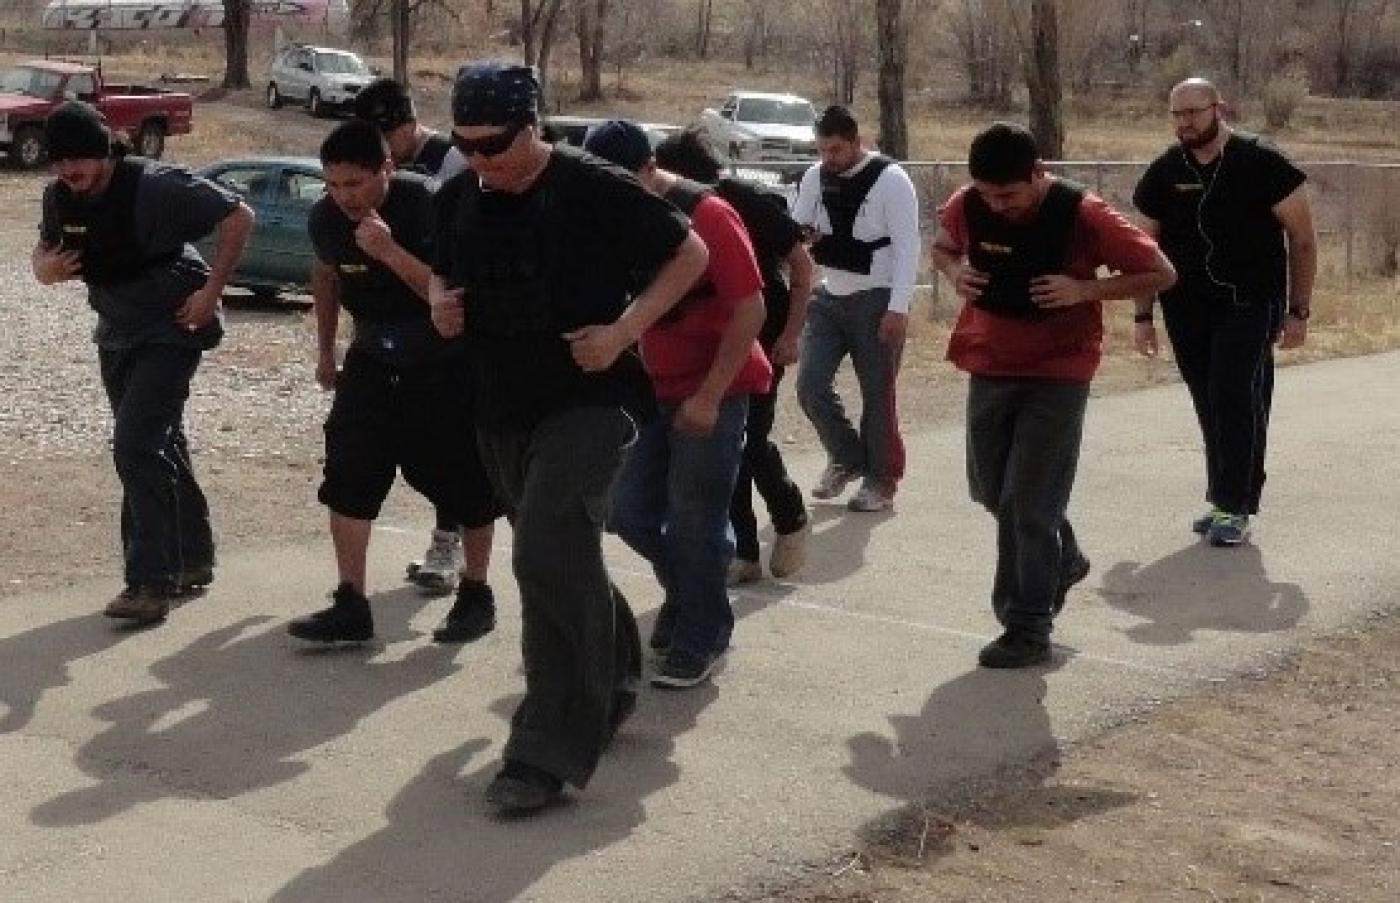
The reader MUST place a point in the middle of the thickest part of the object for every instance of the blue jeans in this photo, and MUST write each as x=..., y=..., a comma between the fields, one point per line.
x=671, y=506
x=1023, y=439
x=837, y=326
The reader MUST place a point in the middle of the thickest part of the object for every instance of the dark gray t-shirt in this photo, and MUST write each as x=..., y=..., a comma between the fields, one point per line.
x=174, y=207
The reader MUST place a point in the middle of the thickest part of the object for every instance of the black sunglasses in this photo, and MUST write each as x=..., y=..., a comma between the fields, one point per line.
x=491, y=145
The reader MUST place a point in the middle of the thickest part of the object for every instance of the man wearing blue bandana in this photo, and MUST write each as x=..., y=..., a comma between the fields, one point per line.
x=536, y=250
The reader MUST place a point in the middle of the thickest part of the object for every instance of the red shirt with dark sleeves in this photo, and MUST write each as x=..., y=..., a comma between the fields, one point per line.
x=1068, y=344
x=678, y=351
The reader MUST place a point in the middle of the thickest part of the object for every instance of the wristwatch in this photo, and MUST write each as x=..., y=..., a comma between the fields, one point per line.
x=1299, y=312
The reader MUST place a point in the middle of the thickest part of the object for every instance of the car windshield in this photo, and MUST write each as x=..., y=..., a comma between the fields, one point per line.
x=780, y=112
x=26, y=80
x=340, y=64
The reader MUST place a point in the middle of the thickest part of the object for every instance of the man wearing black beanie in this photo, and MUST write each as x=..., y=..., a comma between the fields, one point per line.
x=124, y=226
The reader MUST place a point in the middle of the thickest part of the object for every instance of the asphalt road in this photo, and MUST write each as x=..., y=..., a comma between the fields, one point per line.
x=213, y=759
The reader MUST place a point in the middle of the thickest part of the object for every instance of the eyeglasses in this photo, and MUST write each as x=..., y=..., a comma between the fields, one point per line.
x=1190, y=112
x=491, y=145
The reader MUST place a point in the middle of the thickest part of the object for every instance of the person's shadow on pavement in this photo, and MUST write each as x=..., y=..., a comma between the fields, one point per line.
x=238, y=707
x=38, y=660
x=443, y=842
x=1201, y=587
x=836, y=548
x=981, y=732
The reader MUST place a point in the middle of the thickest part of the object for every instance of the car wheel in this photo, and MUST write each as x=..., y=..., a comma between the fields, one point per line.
x=150, y=140
x=28, y=149
x=314, y=105
x=274, y=97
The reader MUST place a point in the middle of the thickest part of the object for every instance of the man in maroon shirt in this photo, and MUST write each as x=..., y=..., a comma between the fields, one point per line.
x=671, y=500
x=1022, y=249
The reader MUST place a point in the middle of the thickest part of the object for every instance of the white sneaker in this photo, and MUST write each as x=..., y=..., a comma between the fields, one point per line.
x=742, y=571
x=442, y=564
x=833, y=481
x=789, y=551
x=871, y=498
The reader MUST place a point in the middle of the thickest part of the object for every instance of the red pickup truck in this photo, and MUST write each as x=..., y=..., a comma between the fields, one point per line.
x=30, y=90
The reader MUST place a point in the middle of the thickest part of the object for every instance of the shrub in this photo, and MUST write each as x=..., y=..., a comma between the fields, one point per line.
x=1281, y=97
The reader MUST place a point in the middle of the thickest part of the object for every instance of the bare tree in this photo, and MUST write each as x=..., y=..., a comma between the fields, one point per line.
x=538, y=19
x=704, y=26
x=237, y=14
x=590, y=19
x=755, y=32
x=842, y=42
x=982, y=33
x=891, y=43
x=1042, y=73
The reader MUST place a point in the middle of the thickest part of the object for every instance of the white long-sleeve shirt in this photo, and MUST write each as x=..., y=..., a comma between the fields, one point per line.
x=890, y=209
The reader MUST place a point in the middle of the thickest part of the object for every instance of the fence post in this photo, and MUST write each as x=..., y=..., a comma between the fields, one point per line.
x=1348, y=221
x=934, y=282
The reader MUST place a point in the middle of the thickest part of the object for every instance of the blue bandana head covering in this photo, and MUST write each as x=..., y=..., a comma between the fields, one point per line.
x=495, y=93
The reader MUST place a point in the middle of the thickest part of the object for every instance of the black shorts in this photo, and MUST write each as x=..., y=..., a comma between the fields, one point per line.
x=418, y=421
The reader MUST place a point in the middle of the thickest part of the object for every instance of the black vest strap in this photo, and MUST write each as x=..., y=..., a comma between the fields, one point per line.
x=1012, y=254
x=842, y=196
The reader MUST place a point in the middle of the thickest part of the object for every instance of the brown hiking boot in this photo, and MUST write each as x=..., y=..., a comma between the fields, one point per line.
x=142, y=604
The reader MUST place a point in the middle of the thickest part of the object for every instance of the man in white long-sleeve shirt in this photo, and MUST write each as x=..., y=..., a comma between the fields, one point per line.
x=862, y=214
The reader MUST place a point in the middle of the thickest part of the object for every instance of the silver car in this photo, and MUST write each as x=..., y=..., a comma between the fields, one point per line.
x=322, y=78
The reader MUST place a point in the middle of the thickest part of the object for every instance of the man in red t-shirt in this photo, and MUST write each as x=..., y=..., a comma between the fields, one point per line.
x=671, y=500
x=1022, y=249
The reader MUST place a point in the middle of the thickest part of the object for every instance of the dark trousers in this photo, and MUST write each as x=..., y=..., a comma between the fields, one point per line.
x=579, y=639
x=762, y=468
x=165, y=528
x=1023, y=439
x=1224, y=351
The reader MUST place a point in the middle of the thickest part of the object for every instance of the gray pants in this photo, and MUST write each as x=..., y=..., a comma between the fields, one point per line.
x=1023, y=440
x=579, y=639
x=837, y=326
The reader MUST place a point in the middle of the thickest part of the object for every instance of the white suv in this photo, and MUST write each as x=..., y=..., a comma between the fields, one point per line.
x=323, y=78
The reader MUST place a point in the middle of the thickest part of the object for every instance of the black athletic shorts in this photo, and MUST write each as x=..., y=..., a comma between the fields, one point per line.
x=417, y=421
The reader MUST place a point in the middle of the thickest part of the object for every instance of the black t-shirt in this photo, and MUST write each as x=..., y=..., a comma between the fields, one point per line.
x=369, y=290
x=606, y=227
x=431, y=155
x=1217, y=222
x=174, y=207
x=774, y=234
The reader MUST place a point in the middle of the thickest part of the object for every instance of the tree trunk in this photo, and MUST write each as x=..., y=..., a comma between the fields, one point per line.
x=401, y=31
x=236, y=16
x=705, y=14
x=894, y=130
x=591, y=40
x=1043, y=80
x=546, y=26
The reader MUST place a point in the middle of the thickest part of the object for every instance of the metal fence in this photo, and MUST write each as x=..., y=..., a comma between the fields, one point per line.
x=1355, y=206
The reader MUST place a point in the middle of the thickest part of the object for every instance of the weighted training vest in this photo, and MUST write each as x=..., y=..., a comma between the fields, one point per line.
x=509, y=258
x=104, y=229
x=842, y=196
x=1012, y=254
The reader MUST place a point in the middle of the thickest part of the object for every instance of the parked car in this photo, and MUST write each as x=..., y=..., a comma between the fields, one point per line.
x=756, y=125
x=29, y=91
x=574, y=129
x=323, y=78
x=281, y=191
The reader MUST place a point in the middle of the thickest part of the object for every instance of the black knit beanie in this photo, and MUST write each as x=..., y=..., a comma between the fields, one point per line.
x=76, y=131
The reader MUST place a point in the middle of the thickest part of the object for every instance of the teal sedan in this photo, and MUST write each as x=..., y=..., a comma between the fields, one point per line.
x=281, y=191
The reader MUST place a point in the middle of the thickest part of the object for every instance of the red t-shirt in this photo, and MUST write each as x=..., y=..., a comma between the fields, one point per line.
x=678, y=351
x=1064, y=346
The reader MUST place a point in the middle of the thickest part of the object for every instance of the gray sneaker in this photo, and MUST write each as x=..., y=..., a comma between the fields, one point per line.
x=871, y=498
x=834, y=480
x=790, y=551
x=437, y=574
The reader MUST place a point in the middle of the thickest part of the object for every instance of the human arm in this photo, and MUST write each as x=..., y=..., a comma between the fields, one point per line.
x=698, y=413
x=801, y=278
x=230, y=236
x=1144, y=327
x=374, y=237
x=1295, y=215
x=325, y=302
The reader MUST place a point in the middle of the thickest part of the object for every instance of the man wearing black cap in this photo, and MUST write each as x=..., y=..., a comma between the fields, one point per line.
x=387, y=105
x=536, y=249
x=671, y=502
x=124, y=227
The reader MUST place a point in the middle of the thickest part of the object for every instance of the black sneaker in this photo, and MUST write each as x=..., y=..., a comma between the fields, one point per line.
x=521, y=789
x=473, y=615
x=661, y=631
x=1015, y=649
x=681, y=670
x=1074, y=574
x=347, y=620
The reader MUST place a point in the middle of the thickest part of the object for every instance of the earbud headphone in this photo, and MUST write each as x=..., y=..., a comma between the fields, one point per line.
x=1200, y=215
